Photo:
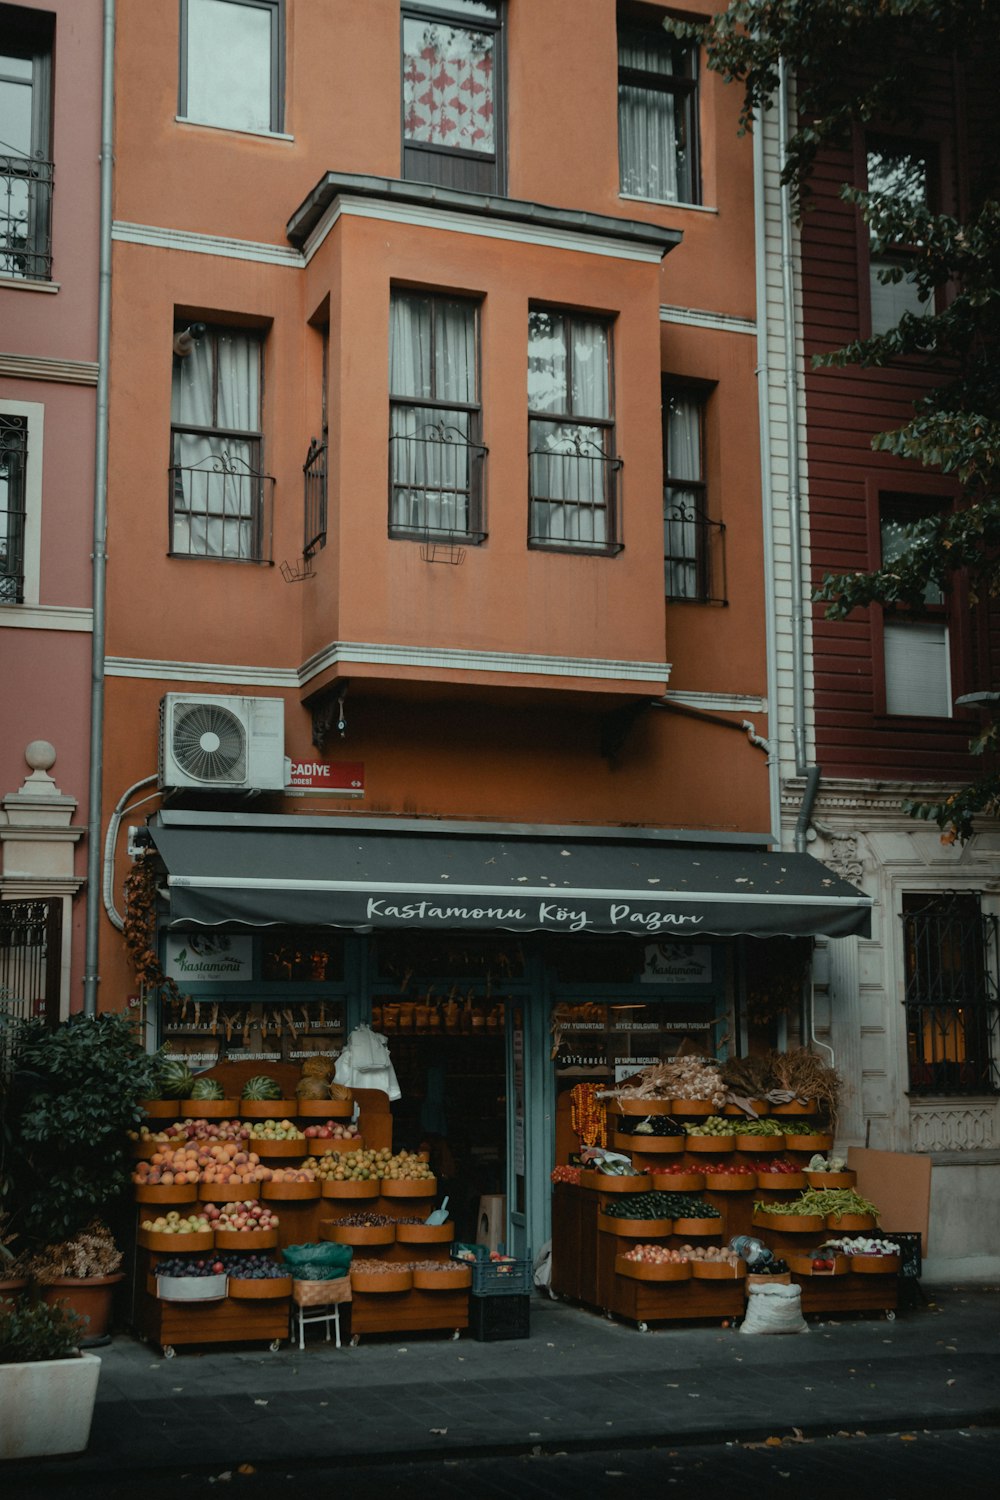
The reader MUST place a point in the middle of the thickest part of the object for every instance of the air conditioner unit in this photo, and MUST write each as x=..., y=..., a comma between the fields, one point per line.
x=222, y=744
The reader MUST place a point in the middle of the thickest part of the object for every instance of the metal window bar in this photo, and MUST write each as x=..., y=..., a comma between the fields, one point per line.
x=436, y=477
x=30, y=963
x=13, y=506
x=693, y=547
x=574, y=491
x=26, y=218
x=314, y=472
x=952, y=998
x=221, y=508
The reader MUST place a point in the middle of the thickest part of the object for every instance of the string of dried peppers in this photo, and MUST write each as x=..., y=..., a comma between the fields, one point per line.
x=588, y=1115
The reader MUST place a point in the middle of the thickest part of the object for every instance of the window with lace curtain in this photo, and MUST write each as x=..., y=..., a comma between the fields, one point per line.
x=657, y=110
x=219, y=498
x=436, y=454
x=574, y=473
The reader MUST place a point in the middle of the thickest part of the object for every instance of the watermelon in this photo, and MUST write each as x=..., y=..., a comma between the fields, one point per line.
x=261, y=1087
x=176, y=1079
x=207, y=1088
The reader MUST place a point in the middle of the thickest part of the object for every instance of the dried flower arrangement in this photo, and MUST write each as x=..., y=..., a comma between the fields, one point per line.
x=92, y=1252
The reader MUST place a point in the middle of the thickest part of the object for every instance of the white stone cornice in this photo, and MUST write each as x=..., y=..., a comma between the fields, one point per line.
x=62, y=371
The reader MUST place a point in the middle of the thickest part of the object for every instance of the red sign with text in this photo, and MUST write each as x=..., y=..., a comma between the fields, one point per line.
x=338, y=778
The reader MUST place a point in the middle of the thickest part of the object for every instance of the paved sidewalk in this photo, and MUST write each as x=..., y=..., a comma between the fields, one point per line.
x=580, y=1381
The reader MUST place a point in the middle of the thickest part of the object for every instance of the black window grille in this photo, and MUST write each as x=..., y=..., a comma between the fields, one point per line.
x=314, y=472
x=951, y=994
x=13, y=463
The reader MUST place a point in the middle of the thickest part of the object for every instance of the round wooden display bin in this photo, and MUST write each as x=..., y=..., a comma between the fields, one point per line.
x=283, y=1148
x=161, y=1109
x=331, y=1145
x=362, y=1187
x=731, y=1182
x=169, y=1244
x=145, y=1147
x=408, y=1187
x=424, y=1234
x=323, y=1109
x=357, y=1234
x=641, y=1106
x=718, y=1270
x=850, y=1223
x=679, y=1182
x=875, y=1265
x=760, y=1143
x=759, y=1107
x=790, y=1223
x=710, y=1145
x=776, y=1181
x=634, y=1229
x=381, y=1281
x=603, y=1182
x=209, y=1109
x=289, y=1190
x=647, y=1270
x=228, y=1192
x=795, y=1107
x=655, y=1145
x=831, y=1179
x=697, y=1226
x=692, y=1107
x=269, y=1109
x=246, y=1239
x=808, y=1142
x=447, y=1279
x=257, y=1290
x=158, y=1192
x=802, y=1265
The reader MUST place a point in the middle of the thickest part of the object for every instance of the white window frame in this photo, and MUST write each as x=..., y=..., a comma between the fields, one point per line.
x=34, y=414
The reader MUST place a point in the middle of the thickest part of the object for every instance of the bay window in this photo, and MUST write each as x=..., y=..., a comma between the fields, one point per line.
x=573, y=470
x=436, y=456
x=694, y=563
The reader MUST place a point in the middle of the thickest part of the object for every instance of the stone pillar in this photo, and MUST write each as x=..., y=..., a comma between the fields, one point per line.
x=37, y=841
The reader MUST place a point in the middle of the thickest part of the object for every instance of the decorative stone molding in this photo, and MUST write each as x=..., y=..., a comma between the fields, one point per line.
x=843, y=855
x=969, y=1126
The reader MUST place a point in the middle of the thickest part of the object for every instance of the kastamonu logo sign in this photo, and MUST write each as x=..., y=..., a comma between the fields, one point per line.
x=211, y=956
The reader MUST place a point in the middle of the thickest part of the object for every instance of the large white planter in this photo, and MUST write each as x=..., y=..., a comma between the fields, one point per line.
x=46, y=1407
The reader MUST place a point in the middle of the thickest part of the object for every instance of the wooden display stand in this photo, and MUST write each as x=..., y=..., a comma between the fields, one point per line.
x=584, y=1254
x=235, y=1319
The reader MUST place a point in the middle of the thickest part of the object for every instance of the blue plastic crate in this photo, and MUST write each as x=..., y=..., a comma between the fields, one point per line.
x=498, y=1278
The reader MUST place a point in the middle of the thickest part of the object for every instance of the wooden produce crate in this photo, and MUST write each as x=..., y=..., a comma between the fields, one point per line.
x=405, y=1312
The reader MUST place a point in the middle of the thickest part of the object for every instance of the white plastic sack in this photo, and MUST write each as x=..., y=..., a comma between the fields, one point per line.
x=774, y=1309
x=542, y=1269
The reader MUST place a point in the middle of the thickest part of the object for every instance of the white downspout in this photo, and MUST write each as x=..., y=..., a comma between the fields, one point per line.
x=91, y=977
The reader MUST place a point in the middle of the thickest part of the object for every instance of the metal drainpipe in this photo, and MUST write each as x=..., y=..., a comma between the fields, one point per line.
x=767, y=498
x=802, y=767
x=91, y=978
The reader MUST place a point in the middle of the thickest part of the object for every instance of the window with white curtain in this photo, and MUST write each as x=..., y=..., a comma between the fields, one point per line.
x=232, y=64
x=436, y=456
x=657, y=115
x=453, y=93
x=916, y=649
x=685, y=549
x=217, y=490
x=898, y=170
x=573, y=471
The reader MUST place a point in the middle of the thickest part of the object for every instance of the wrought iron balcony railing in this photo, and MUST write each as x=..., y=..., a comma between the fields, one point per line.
x=222, y=508
x=314, y=472
x=26, y=218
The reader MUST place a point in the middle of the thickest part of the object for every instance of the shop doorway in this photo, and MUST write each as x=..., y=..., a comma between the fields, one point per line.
x=450, y=1058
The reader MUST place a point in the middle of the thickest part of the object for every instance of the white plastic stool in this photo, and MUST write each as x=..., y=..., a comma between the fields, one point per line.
x=323, y=1298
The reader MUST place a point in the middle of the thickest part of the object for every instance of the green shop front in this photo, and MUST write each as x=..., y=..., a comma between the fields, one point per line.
x=503, y=965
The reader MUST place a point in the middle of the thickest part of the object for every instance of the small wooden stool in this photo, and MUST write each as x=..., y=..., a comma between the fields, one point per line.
x=324, y=1299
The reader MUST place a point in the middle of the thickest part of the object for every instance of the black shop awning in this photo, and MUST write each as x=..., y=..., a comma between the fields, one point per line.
x=259, y=870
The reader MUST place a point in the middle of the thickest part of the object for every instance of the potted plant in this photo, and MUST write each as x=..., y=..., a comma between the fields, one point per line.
x=72, y=1098
x=80, y=1273
x=47, y=1385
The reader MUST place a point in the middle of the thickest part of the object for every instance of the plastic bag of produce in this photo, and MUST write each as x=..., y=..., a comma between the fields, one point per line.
x=324, y=1261
x=774, y=1309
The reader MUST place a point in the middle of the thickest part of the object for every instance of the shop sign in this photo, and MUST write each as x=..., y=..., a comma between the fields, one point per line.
x=677, y=963
x=335, y=778
x=209, y=956
x=587, y=915
x=625, y=1067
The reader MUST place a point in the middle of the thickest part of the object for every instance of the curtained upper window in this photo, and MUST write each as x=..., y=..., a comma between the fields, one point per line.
x=452, y=93
x=657, y=116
